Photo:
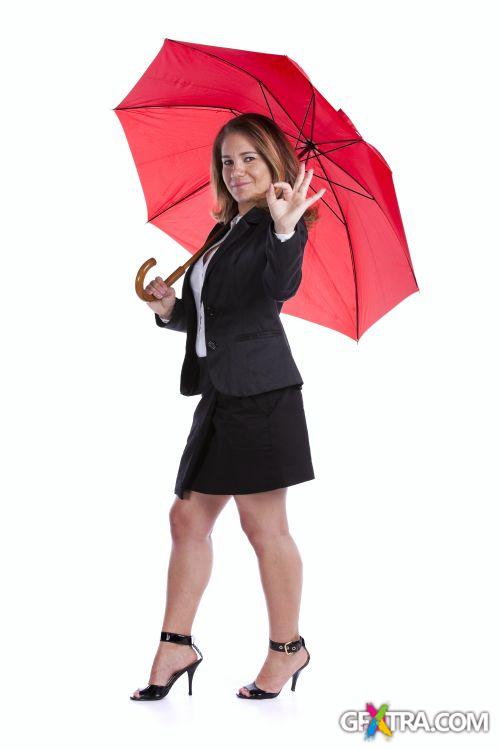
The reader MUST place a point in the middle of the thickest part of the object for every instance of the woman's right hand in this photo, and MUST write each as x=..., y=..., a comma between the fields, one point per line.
x=164, y=304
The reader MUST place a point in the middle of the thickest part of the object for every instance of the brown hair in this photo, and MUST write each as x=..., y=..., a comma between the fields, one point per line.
x=274, y=147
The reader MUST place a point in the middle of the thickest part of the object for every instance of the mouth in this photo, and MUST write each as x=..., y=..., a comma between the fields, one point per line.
x=241, y=184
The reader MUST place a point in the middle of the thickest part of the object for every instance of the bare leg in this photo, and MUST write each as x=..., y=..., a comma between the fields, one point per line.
x=191, y=522
x=264, y=521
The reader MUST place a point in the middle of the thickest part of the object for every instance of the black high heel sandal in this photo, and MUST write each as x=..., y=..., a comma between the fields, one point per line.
x=157, y=692
x=291, y=647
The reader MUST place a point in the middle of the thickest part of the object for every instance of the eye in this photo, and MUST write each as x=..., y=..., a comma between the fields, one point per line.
x=226, y=162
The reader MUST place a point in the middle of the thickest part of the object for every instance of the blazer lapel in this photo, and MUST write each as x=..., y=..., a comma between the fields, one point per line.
x=212, y=234
x=187, y=292
x=236, y=233
x=253, y=216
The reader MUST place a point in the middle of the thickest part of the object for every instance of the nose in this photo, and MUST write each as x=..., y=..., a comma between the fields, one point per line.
x=238, y=177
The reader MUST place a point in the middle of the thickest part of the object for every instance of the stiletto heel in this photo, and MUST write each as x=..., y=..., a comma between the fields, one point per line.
x=157, y=692
x=291, y=647
x=295, y=675
x=190, y=671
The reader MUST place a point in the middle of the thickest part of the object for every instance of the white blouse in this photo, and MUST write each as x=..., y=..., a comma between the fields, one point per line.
x=197, y=278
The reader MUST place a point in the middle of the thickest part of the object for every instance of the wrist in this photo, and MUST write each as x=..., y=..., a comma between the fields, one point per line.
x=281, y=229
x=167, y=313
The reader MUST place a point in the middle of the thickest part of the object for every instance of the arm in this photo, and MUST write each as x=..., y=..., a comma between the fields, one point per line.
x=283, y=272
x=177, y=320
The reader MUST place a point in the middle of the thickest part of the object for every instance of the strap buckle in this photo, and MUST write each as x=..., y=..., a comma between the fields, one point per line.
x=285, y=647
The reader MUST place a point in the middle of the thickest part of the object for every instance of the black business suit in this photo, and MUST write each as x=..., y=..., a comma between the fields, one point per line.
x=246, y=282
x=249, y=432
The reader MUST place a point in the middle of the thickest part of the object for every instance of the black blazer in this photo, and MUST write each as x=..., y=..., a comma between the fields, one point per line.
x=246, y=282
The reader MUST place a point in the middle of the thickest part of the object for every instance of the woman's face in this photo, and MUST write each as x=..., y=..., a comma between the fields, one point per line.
x=245, y=173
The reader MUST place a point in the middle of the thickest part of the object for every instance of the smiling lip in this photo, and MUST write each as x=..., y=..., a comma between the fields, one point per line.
x=240, y=184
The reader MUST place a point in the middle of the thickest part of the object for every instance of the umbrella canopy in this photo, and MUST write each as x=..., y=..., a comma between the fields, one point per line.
x=357, y=264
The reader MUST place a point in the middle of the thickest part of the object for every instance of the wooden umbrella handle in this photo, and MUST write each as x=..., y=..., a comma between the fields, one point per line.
x=148, y=265
x=141, y=275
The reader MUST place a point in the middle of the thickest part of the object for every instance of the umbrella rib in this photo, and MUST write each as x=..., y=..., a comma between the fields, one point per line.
x=242, y=70
x=369, y=195
x=235, y=112
x=353, y=261
x=312, y=139
x=327, y=204
x=344, y=187
x=303, y=122
x=290, y=135
x=177, y=106
x=327, y=275
x=177, y=153
x=337, y=148
x=372, y=197
x=265, y=97
x=314, y=111
x=184, y=197
x=336, y=140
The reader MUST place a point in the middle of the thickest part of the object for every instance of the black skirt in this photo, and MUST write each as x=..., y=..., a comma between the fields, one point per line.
x=243, y=444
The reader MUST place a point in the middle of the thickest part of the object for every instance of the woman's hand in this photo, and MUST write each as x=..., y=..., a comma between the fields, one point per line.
x=286, y=211
x=164, y=305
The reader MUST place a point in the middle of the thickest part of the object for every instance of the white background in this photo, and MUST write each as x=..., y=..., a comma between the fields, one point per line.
x=398, y=532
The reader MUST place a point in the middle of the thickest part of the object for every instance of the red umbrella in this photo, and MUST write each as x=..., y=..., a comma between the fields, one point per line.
x=357, y=264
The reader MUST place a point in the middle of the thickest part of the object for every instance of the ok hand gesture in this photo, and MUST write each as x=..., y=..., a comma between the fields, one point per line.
x=286, y=211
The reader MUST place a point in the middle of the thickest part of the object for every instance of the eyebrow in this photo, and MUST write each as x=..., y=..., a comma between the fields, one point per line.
x=226, y=156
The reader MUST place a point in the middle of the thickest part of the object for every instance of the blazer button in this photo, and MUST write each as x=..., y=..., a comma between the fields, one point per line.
x=211, y=344
x=210, y=312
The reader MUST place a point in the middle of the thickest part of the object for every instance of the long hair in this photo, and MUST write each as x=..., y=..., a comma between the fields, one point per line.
x=273, y=146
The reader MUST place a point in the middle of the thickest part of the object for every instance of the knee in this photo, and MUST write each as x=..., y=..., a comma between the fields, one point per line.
x=184, y=525
x=263, y=538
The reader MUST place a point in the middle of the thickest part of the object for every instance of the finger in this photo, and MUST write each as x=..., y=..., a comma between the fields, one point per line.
x=316, y=197
x=300, y=175
x=306, y=181
x=287, y=192
x=160, y=284
x=156, y=290
x=163, y=287
x=271, y=195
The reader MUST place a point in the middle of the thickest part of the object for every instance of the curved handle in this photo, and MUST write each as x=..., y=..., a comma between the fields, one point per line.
x=216, y=233
x=141, y=275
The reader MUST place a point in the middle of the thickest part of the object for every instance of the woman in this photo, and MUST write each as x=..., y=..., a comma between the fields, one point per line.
x=249, y=436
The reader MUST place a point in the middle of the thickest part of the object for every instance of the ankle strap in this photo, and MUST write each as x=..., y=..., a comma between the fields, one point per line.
x=185, y=640
x=290, y=647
